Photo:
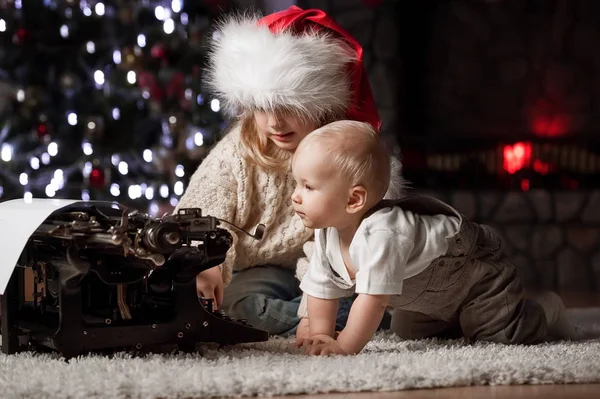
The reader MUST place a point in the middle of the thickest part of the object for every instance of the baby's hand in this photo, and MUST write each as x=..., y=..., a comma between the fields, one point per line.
x=302, y=332
x=312, y=340
x=303, y=337
x=331, y=347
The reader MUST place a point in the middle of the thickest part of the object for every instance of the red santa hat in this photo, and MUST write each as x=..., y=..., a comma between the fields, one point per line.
x=295, y=59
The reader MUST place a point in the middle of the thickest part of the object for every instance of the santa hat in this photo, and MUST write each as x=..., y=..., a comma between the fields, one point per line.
x=295, y=59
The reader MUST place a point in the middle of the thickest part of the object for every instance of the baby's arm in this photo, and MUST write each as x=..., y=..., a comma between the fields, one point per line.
x=381, y=264
x=302, y=332
x=365, y=316
x=321, y=315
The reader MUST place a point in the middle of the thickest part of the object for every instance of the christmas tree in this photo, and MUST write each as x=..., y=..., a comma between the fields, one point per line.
x=104, y=100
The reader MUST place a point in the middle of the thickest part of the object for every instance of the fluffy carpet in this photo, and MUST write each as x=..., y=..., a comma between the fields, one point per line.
x=275, y=368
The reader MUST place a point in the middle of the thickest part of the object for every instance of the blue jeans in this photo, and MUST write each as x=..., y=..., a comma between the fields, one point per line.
x=268, y=298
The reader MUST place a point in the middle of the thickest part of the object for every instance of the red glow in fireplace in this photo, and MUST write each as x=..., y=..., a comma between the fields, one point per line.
x=550, y=126
x=516, y=157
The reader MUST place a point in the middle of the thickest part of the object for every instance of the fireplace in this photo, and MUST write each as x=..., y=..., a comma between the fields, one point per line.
x=500, y=94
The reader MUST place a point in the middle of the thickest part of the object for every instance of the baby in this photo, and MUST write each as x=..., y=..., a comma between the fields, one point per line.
x=444, y=275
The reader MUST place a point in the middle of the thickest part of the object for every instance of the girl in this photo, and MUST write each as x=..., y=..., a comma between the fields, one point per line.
x=279, y=77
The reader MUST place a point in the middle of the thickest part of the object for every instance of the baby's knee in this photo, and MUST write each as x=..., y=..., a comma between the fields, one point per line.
x=523, y=327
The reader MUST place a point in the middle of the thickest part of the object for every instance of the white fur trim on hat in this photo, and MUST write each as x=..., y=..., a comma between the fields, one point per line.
x=252, y=68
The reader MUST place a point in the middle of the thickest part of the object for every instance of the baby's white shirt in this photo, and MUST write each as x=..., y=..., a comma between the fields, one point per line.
x=389, y=246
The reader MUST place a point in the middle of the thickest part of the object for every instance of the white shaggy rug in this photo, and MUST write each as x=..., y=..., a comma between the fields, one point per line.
x=275, y=368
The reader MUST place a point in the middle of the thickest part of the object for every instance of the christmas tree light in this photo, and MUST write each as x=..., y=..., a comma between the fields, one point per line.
x=104, y=100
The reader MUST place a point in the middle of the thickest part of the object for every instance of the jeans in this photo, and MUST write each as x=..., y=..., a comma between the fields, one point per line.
x=268, y=297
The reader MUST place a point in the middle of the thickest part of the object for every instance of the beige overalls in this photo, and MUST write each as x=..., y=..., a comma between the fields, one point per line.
x=473, y=290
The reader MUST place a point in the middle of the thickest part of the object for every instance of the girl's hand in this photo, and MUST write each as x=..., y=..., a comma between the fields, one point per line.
x=209, y=285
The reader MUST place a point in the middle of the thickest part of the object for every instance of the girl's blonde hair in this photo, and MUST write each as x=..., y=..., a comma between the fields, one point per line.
x=258, y=149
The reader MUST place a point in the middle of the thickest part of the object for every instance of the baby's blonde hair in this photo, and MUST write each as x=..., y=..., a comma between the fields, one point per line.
x=356, y=150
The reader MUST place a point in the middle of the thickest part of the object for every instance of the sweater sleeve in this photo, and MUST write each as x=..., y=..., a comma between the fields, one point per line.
x=213, y=188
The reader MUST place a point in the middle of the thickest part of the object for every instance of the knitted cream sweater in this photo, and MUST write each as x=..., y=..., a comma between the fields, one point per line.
x=225, y=185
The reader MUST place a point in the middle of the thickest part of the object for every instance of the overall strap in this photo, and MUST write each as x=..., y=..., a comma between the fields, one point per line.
x=419, y=204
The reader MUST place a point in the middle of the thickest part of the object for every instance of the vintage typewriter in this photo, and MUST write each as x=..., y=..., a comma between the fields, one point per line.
x=96, y=276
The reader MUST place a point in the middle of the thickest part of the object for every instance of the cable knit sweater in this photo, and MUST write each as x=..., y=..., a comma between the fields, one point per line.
x=227, y=186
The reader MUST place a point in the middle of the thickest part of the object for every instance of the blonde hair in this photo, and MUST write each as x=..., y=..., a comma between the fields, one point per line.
x=258, y=149
x=356, y=150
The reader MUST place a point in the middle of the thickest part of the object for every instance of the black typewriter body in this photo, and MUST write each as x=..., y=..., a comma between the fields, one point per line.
x=99, y=277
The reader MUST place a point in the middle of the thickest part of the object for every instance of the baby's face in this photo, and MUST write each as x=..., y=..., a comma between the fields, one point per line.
x=284, y=130
x=321, y=194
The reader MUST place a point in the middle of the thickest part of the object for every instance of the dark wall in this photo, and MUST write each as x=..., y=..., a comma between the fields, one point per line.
x=501, y=69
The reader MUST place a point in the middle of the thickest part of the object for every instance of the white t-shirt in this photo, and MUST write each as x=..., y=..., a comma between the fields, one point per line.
x=389, y=246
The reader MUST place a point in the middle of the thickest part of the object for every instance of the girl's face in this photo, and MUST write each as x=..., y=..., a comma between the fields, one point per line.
x=284, y=130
